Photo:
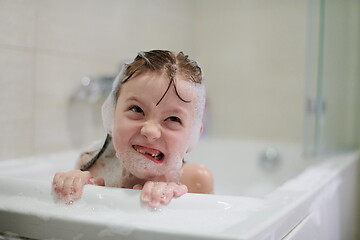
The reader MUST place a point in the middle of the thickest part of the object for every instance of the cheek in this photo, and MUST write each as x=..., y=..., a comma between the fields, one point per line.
x=122, y=134
x=179, y=143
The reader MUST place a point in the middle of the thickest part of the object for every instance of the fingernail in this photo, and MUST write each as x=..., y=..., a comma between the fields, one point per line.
x=154, y=204
x=145, y=198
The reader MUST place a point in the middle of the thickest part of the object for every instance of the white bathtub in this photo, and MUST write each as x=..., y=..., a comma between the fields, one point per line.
x=289, y=201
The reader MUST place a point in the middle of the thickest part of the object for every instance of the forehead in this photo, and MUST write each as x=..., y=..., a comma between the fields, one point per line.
x=153, y=85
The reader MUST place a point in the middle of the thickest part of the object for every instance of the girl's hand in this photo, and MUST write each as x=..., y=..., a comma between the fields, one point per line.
x=156, y=193
x=69, y=186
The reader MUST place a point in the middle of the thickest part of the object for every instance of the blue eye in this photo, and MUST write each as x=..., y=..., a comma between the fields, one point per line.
x=136, y=109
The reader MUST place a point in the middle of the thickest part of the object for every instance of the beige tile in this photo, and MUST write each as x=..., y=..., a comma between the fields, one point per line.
x=114, y=29
x=90, y=28
x=253, y=59
x=16, y=103
x=168, y=25
x=90, y=38
x=17, y=22
x=57, y=77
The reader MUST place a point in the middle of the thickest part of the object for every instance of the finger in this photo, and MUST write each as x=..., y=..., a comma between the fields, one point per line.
x=99, y=182
x=167, y=194
x=157, y=193
x=138, y=187
x=96, y=181
x=80, y=179
x=58, y=181
x=180, y=190
x=91, y=181
x=68, y=186
x=146, y=192
x=78, y=186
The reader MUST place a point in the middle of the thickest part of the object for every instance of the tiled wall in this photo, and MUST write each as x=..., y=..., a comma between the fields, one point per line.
x=47, y=47
x=259, y=50
x=17, y=70
x=253, y=51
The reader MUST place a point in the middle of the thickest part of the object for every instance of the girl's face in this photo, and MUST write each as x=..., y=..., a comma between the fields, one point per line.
x=151, y=140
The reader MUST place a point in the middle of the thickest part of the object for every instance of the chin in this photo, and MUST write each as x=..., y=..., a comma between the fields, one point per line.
x=143, y=168
x=140, y=166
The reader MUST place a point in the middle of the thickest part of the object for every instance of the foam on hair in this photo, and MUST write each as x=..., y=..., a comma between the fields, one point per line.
x=108, y=108
x=149, y=61
x=199, y=113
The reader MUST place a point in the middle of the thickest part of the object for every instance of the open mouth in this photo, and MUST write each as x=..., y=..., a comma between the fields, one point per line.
x=153, y=154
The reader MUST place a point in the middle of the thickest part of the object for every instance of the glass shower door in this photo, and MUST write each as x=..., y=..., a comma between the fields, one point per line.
x=332, y=121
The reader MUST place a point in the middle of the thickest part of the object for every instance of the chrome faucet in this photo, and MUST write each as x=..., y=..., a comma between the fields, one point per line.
x=84, y=110
x=270, y=159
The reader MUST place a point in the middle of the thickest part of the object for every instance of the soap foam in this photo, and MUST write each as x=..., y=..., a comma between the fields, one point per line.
x=141, y=167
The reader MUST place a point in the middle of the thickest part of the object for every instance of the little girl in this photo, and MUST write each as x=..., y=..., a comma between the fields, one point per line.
x=153, y=117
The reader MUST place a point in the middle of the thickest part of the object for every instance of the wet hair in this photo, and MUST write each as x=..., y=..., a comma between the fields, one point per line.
x=163, y=61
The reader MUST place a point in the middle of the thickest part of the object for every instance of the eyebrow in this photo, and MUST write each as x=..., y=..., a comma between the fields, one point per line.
x=136, y=99
x=176, y=111
x=133, y=98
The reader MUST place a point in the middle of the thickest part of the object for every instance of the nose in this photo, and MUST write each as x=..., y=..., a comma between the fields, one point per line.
x=151, y=130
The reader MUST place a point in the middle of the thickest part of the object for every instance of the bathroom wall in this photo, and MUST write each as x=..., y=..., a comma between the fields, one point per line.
x=253, y=54
x=47, y=47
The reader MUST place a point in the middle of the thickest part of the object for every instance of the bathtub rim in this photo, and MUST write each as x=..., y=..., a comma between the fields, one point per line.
x=255, y=228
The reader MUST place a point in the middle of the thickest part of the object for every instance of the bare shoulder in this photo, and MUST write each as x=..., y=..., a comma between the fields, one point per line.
x=197, y=178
